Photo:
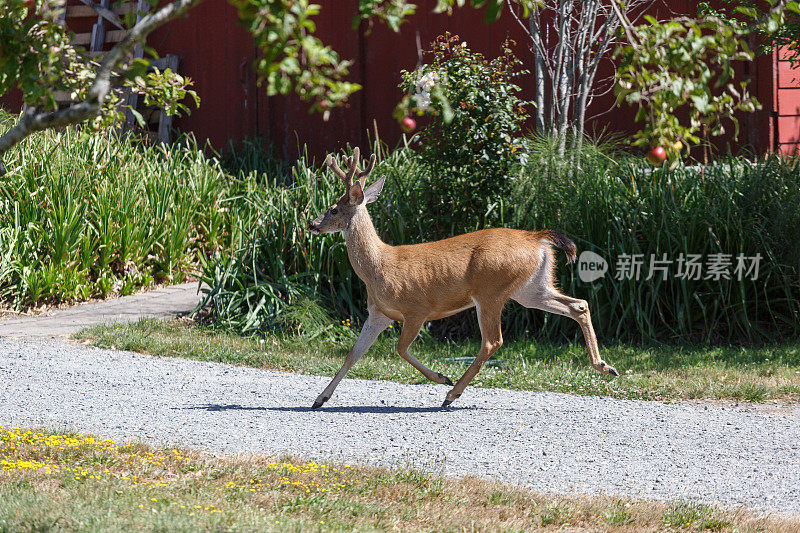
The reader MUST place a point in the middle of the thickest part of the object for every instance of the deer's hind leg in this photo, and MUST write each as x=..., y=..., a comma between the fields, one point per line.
x=489, y=315
x=539, y=292
x=411, y=327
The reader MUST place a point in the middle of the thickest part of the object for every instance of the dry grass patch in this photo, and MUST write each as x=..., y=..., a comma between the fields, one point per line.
x=54, y=481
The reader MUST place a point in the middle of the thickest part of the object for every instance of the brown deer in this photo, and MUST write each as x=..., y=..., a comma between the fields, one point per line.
x=416, y=283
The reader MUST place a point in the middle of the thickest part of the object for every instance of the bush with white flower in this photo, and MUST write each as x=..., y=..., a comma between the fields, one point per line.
x=470, y=144
x=422, y=94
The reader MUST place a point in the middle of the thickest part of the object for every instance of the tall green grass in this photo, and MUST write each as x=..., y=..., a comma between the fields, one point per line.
x=613, y=206
x=730, y=207
x=84, y=215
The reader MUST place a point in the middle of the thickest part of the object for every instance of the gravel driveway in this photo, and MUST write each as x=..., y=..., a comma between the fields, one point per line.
x=719, y=454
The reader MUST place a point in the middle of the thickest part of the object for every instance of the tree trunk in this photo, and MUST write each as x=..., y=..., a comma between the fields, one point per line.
x=568, y=38
x=534, y=25
x=564, y=79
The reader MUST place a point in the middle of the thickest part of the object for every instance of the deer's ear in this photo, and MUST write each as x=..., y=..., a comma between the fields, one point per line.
x=372, y=192
x=356, y=194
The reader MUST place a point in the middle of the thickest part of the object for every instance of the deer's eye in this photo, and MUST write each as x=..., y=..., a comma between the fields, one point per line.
x=334, y=210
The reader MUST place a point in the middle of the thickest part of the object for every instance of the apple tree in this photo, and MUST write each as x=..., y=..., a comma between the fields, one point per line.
x=686, y=65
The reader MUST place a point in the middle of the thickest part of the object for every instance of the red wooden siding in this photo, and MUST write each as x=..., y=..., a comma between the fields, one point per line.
x=789, y=101
x=379, y=55
x=787, y=96
x=286, y=121
x=217, y=54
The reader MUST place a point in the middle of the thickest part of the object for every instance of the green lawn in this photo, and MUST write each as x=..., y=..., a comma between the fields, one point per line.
x=656, y=373
x=72, y=482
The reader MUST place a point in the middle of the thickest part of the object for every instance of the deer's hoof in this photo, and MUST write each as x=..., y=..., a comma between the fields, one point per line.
x=318, y=403
x=448, y=400
x=608, y=369
x=605, y=368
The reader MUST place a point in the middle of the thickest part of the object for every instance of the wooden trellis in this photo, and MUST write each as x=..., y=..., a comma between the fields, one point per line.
x=107, y=31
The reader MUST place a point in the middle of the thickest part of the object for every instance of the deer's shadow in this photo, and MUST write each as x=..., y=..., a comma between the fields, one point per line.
x=215, y=407
x=355, y=409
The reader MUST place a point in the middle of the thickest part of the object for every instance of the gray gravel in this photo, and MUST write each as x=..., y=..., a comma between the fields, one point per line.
x=720, y=454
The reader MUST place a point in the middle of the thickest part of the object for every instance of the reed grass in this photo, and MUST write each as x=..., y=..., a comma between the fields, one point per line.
x=733, y=207
x=87, y=215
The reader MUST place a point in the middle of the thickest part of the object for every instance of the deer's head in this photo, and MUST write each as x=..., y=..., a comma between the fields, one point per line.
x=356, y=194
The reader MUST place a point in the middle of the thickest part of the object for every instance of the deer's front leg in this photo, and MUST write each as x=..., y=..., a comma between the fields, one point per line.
x=375, y=324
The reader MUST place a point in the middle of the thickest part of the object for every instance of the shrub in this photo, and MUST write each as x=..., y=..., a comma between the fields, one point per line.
x=469, y=147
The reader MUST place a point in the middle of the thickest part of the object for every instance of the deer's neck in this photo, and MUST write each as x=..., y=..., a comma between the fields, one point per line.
x=364, y=247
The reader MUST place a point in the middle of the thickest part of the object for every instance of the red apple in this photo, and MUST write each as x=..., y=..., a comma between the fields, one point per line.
x=408, y=124
x=657, y=155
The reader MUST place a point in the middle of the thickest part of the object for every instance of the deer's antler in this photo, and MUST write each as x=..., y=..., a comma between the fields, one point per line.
x=334, y=166
x=352, y=164
x=362, y=176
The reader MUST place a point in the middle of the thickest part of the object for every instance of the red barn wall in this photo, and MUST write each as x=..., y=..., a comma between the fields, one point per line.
x=217, y=53
x=787, y=96
x=381, y=54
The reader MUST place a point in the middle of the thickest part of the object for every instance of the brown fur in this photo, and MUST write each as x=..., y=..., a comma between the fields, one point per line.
x=417, y=283
x=438, y=279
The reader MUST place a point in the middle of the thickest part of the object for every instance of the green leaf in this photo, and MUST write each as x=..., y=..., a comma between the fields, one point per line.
x=750, y=12
x=493, y=11
x=700, y=102
x=137, y=69
x=138, y=116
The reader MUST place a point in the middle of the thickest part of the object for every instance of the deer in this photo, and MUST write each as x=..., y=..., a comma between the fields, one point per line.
x=417, y=283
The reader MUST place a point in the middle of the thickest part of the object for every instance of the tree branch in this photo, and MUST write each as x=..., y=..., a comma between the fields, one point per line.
x=31, y=121
x=626, y=24
x=517, y=19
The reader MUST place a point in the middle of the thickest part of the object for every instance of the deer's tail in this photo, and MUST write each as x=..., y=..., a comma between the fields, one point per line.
x=559, y=240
